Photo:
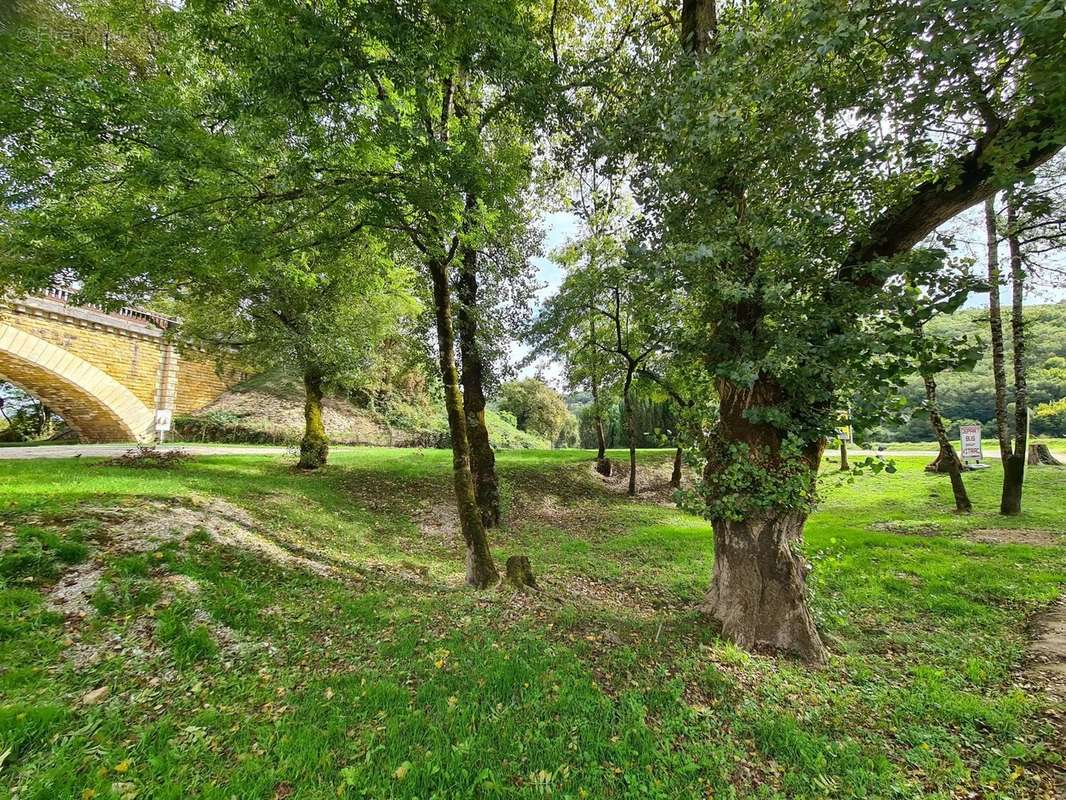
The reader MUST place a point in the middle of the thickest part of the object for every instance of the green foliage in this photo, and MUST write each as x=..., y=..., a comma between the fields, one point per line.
x=776, y=171
x=23, y=417
x=538, y=409
x=1049, y=419
x=188, y=640
x=754, y=482
x=970, y=395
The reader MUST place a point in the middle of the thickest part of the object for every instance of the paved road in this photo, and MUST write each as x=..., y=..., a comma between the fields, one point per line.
x=110, y=450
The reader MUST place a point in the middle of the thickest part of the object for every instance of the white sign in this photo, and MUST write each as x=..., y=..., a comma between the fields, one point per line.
x=971, y=442
x=163, y=418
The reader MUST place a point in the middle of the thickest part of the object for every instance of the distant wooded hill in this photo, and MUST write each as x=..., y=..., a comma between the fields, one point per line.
x=969, y=396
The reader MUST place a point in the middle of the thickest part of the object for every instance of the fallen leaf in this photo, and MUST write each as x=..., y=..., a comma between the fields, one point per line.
x=95, y=696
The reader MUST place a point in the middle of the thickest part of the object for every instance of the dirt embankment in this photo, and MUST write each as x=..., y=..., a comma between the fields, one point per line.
x=265, y=418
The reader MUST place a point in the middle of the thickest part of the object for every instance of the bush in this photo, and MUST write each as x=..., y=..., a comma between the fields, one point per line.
x=537, y=408
x=1049, y=419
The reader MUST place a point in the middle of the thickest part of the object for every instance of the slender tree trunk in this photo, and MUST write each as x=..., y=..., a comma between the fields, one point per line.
x=631, y=429
x=844, y=466
x=482, y=457
x=758, y=590
x=314, y=448
x=597, y=423
x=675, y=474
x=603, y=464
x=1014, y=466
x=480, y=568
x=947, y=450
x=995, y=320
x=597, y=419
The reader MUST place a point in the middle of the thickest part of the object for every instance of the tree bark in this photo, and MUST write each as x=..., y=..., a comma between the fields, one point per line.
x=480, y=568
x=631, y=429
x=995, y=320
x=314, y=447
x=947, y=450
x=603, y=464
x=597, y=418
x=1014, y=466
x=675, y=474
x=844, y=466
x=758, y=591
x=482, y=457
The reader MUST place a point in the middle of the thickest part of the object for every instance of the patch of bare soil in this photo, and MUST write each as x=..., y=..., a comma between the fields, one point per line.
x=1016, y=536
x=653, y=480
x=1045, y=671
x=148, y=528
x=145, y=530
x=908, y=528
x=71, y=594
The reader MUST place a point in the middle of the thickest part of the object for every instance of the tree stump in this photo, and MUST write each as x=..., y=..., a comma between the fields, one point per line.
x=520, y=573
x=604, y=467
x=1040, y=454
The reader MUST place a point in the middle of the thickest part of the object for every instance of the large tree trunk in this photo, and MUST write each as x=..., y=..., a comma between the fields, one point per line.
x=480, y=568
x=1014, y=466
x=844, y=466
x=675, y=474
x=950, y=457
x=631, y=430
x=482, y=457
x=758, y=590
x=314, y=447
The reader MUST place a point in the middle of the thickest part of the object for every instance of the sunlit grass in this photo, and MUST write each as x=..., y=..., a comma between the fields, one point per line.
x=232, y=676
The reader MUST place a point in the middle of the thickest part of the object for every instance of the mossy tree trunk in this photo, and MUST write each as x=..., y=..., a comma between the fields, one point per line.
x=480, y=569
x=482, y=457
x=314, y=447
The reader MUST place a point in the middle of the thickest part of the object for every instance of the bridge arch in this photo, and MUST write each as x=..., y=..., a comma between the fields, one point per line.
x=95, y=405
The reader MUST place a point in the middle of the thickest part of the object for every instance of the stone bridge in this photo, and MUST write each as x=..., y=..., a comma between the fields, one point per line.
x=105, y=372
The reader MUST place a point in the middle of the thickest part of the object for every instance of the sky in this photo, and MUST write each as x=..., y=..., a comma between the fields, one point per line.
x=558, y=226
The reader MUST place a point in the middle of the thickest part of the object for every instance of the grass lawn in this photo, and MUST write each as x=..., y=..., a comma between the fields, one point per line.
x=231, y=629
x=990, y=447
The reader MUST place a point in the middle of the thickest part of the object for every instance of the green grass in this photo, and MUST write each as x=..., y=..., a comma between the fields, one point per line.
x=231, y=675
x=990, y=447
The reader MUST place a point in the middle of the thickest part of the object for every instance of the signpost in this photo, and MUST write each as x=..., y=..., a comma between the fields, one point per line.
x=970, y=436
x=163, y=418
